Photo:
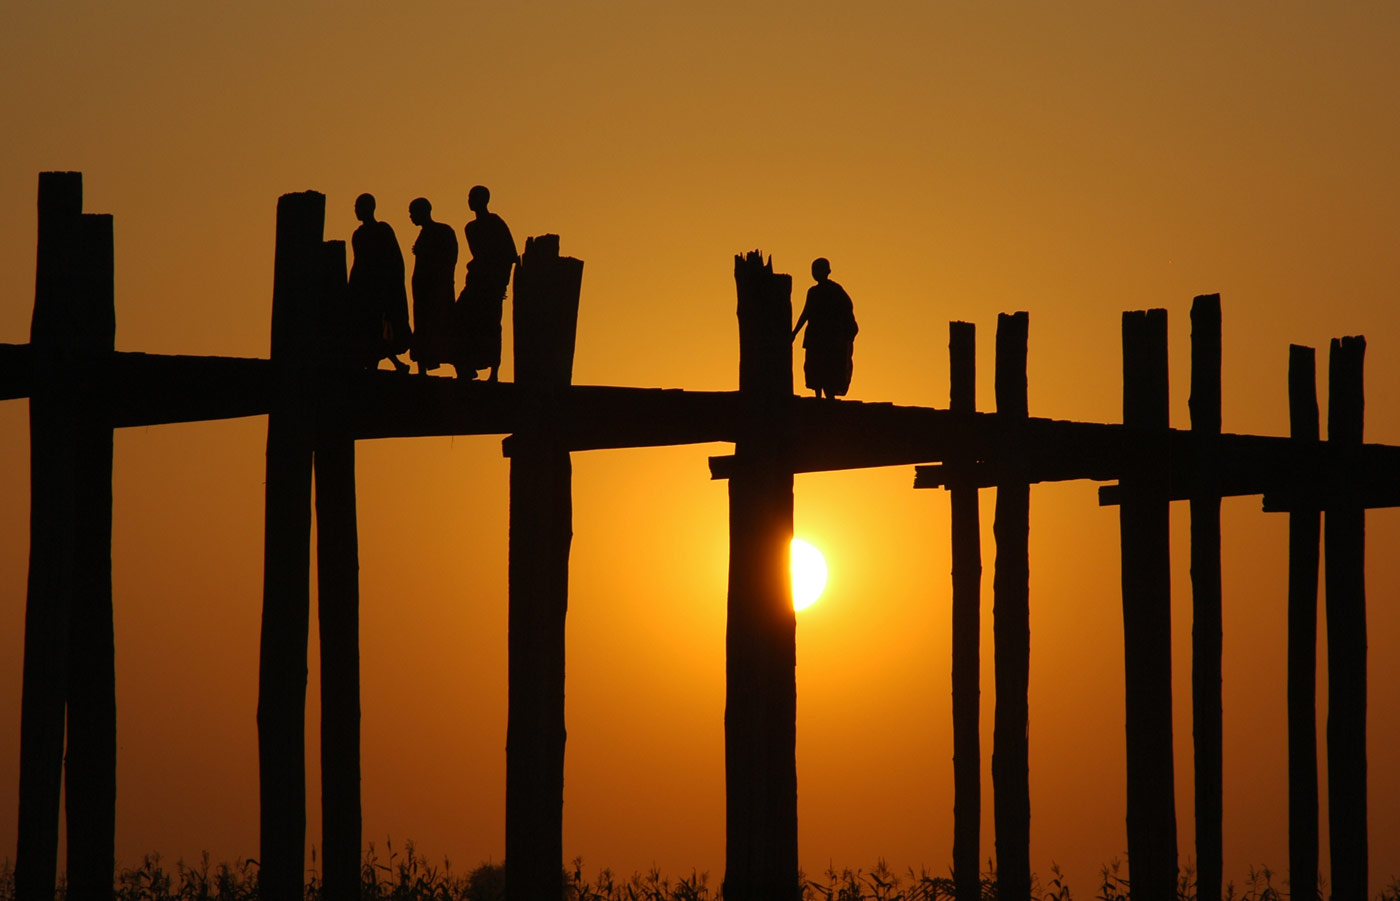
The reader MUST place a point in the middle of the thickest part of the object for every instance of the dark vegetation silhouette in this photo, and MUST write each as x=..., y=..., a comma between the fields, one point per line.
x=479, y=309
x=831, y=333
x=434, y=291
x=377, y=293
x=317, y=408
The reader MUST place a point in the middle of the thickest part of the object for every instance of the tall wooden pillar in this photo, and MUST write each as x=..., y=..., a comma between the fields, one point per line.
x=1144, y=515
x=1304, y=531
x=760, y=713
x=1011, y=623
x=545, y=316
x=68, y=656
x=1345, y=550
x=297, y=282
x=338, y=598
x=967, y=630
x=90, y=767
x=1206, y=629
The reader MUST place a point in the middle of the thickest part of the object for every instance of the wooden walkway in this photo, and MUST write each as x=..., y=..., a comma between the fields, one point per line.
x=80, y=389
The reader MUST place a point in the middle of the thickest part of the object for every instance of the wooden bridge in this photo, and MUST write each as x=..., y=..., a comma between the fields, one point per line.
x=80, y=389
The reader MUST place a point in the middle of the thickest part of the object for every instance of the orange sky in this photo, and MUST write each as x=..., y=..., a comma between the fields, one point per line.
x=952, y=159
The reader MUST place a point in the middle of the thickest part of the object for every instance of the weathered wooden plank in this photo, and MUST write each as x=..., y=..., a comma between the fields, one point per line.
x=1206, y=629
x=1304, y=531
x=966, y=633
x=287, y=548
x=1011, y=628
x=545, y=316
x=760, y=710
x=53, y=432
x=1344, y=546
x=1146, y=576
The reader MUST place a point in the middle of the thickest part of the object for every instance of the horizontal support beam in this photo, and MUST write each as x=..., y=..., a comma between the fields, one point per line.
x=152, y=389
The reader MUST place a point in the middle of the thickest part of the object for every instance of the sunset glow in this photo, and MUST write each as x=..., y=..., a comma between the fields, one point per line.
x=808, y=574
x=952, y=161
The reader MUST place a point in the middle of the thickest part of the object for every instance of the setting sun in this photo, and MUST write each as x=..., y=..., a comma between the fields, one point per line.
x=808, y=574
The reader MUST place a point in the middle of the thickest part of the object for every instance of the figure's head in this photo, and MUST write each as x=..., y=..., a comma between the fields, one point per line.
x=364, y=208
x=420, y=211
x=820, y=269
x=477, y=198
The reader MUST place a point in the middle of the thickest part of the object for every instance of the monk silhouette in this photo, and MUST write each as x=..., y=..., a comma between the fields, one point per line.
x=479, y=308
x=434, y=274
x=376, y=290
x=831, y=332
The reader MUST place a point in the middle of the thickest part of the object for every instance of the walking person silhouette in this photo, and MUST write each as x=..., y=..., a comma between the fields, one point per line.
x=480, y=306
x=376, y=290
x=831, y=332
x=434, y=275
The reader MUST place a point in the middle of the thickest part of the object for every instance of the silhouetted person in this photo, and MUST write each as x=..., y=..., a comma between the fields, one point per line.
x=434, y=288
x=488, y=275
x=377, y=291
x=831, y=332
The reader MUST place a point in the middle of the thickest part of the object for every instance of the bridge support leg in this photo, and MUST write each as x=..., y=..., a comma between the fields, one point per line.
x=1144, y=517
x=1011, y=628
x=338, y=611
x=297, y=281
x=760, y=714
x=1206, y=629
x=1345, y=551
x=1304, y=532
x=68, y=657
x=967, y=633
x=545, y=315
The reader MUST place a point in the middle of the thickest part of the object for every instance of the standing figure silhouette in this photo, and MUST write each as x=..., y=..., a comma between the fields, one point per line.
x=479, y=308
x=376, y=290
x=434, y=274
x=831, y=332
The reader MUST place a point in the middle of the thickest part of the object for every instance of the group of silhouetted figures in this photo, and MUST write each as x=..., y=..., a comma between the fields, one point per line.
x=465, y=329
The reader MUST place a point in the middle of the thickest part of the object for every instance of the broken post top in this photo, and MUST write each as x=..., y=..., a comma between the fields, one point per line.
x=545, y=314
x=1346, y=395
x=765, y=327
x=297, y=275
x=962, y=367
x=1145, y=389
x=1012, y=335
x=73, y=299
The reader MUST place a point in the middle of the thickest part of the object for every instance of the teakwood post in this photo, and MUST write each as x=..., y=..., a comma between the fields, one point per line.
x=1206, y=629
x=1144, y=516
x=296, y=285
x=70, y=595
x=760, y=713
x=1344, y=545
x=966, y=630
x=338, y=597
x=1304, y=532
x=1011, y=622
x=545, y=317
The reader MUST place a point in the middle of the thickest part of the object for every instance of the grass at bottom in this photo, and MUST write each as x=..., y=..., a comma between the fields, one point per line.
x=407, y=876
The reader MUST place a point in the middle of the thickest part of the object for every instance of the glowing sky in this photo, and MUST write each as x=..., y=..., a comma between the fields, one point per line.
x=952, y=160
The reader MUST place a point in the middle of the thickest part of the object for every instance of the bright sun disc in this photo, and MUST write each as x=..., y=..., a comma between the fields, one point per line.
x=808, y=574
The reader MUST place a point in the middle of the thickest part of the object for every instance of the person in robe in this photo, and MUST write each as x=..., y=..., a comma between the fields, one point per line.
x=376, y=289
x=480, y=305
x=831, y=331
x=434, y=277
